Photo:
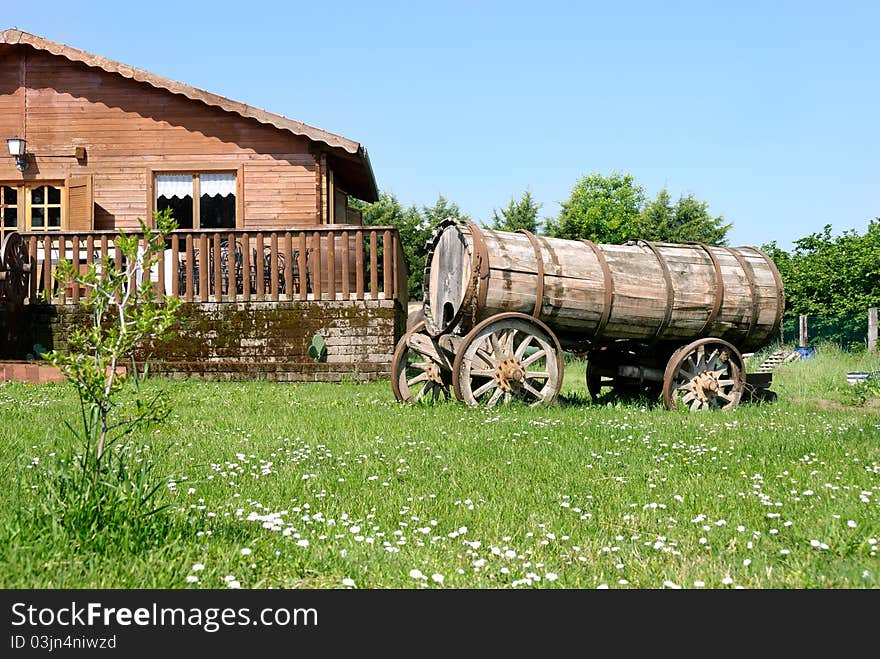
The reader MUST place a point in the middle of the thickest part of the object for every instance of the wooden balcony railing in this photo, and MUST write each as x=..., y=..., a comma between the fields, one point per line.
x=321, y=263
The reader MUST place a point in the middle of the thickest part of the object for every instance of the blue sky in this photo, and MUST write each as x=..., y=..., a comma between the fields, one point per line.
x=767, y=111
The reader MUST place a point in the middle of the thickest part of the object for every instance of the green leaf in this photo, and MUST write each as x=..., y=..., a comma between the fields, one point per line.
x=318, y=348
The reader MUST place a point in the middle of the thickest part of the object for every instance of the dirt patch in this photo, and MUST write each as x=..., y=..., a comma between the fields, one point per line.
x=870, y=406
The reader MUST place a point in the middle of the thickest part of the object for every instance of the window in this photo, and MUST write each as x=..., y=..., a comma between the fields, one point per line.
x=204, y=200
x=8, y=208
x=36, y=206
x=45, y=208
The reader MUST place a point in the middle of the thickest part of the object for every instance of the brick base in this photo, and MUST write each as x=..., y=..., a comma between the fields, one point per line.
x=251, y=340
x=29, y=372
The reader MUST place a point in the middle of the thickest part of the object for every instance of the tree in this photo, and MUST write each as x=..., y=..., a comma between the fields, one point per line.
x=688, y=220
x=414, y=227
x=827, y=274
x=125, y=312
x=388, y=211
x=443, y=209
x=93, y=485
x=522, y=214
x=604, y=209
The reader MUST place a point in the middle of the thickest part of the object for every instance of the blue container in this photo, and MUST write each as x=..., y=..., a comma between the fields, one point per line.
x=805, y=353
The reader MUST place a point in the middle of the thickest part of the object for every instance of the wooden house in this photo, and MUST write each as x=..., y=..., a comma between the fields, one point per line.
x=268, y=252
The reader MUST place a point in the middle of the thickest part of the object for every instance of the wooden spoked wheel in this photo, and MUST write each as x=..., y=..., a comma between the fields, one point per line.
x=14, y=269
x=417, y=377
x=510, y=356
x=705, y=374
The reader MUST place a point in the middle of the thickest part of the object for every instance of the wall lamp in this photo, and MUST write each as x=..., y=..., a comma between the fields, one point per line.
x=17, y=149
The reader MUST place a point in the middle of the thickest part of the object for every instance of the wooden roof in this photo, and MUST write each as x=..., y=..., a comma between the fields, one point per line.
x=362, y=186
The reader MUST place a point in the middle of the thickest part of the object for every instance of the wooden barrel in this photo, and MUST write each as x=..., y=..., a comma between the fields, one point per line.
x=653, y=292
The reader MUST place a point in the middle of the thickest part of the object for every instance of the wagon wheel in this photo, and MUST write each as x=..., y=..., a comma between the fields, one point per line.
x=15, y=268
x=505, y=357
x=705, y=374
x=418, y=377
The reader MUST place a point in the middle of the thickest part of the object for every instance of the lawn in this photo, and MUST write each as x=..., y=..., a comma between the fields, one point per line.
x=339, y=486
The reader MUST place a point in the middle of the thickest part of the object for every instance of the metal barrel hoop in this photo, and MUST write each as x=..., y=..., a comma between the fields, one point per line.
x=780, y=291
x=719, y=289
x=753, y=294
x=609, y=287
x=670, y=291
x=480, y=268
x=539, y=261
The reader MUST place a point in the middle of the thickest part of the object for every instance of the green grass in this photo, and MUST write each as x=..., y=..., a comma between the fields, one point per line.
x=330, y=482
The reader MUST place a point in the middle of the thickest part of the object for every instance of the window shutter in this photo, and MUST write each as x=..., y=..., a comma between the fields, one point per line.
x=80, y=204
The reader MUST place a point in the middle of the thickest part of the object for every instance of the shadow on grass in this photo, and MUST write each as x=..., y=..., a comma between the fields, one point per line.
x=609, y=399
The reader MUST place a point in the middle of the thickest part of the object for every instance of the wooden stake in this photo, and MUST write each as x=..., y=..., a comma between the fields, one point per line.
x=872, y=329
x=803, y=334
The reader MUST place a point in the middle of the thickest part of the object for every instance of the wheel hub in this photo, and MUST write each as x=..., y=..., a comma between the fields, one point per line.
x=705, y=385
x=509, y=373
x=432, y=370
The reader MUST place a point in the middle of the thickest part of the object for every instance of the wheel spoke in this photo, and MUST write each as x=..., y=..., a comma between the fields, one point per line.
x=423, y=391
x=508, y=341
x=487, y=358
x=479, y=391
x=688, y=397
x=482, y=372
x=419, y=378
x=695, y=405
x=543, y=375
x=531, y=359
x=497, y=350
x=494, y=397
x=521, y=348
x=532, y=390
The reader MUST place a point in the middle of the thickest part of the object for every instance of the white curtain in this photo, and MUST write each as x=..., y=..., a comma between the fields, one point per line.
x=217, y=184
x=174, y=185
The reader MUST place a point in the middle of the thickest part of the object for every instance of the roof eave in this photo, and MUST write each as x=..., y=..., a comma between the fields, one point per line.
x=16, y=37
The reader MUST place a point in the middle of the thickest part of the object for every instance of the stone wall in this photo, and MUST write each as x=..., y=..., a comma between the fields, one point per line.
x=254, y=340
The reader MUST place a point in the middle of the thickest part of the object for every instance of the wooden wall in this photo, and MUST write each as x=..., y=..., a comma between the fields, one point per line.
x=127, y=128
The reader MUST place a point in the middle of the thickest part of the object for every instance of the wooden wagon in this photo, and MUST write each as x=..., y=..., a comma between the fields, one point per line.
x=652, y=318
x=14, y=269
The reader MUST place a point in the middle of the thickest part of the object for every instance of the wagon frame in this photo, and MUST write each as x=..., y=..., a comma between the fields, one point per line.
x=486, y=351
